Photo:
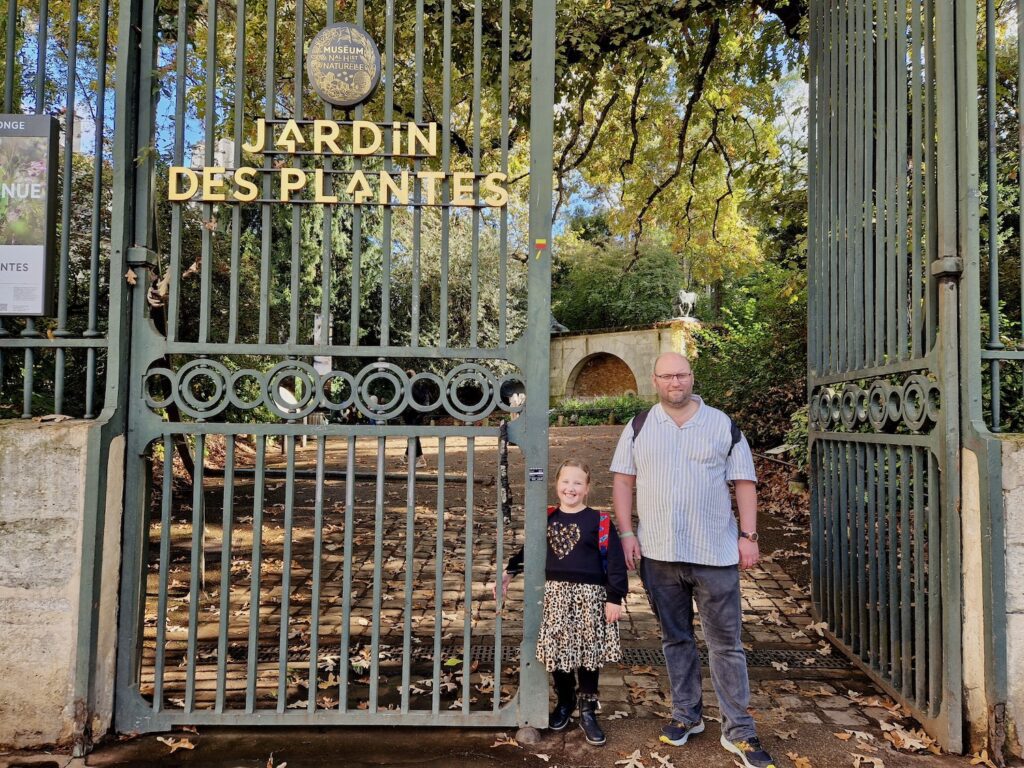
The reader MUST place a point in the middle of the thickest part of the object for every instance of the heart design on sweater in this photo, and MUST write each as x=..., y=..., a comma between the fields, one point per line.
x=562, y=538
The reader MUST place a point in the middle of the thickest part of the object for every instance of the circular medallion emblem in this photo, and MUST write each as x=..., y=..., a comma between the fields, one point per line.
x=343, y=64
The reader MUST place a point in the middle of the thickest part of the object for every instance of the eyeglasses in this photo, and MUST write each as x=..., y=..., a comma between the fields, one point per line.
x=673, y=376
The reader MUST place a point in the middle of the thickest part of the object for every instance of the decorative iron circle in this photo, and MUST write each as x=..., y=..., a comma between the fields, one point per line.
x=915, y=402
x=233, y=395
x=380, y=371
x=152, y=374
x=303, y=373
x=878, y=399
x=848, y=405
x=507, y=405
x=323, y=390
x=212, y=370
x=835, y=407
x=825, y=408
x=343, y=64
x=470, y=373
x=894, y=405
x=433, y=405
x=934, y=401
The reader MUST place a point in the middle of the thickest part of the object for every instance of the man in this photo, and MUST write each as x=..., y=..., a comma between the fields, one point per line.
x=687, y=546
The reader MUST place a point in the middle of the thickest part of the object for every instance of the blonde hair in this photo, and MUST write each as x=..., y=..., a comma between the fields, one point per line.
x=573, y=463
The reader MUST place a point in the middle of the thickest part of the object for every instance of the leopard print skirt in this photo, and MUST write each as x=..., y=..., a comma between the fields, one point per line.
x=573, y=631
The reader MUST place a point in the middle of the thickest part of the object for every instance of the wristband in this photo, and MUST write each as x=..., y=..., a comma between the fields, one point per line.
x=627, y=535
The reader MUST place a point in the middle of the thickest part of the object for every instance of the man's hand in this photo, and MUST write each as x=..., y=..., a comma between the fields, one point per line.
x=750, y=553
x=612, y=611
x=631, y=551
x=504, y=585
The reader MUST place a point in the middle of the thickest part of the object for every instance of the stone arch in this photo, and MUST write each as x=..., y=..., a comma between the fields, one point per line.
x=601, y=373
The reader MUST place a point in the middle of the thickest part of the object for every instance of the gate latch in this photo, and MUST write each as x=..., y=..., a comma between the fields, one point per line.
x=948, y=267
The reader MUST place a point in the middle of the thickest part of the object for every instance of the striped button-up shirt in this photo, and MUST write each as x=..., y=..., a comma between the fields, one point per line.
x=682, y=492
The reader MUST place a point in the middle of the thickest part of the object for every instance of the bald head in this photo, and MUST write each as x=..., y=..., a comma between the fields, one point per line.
x=677, y=362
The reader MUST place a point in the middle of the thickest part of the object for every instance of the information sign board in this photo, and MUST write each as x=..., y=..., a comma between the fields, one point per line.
x=28, y=196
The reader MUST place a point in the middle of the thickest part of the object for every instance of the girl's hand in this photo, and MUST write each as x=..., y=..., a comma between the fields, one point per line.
x=505, y=580
x=612, y=612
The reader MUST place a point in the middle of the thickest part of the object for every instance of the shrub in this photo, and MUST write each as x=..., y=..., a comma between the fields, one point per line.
x=596, y=411
x=753, y=365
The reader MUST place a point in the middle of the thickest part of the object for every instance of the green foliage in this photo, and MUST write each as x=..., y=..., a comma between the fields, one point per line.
x=593, y=289
x=597, y=410
x=753, y=365
x=797, y=437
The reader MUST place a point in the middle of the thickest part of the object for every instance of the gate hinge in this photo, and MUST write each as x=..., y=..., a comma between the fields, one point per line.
x=140, y=256
x=948, y=267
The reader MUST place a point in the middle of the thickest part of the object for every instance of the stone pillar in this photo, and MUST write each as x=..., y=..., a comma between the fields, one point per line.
x=1013, y=509
x=60, y=502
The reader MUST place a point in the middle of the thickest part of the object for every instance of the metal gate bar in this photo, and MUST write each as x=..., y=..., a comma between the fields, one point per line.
x=229, y=657
x=248, y=294
x=883, y=407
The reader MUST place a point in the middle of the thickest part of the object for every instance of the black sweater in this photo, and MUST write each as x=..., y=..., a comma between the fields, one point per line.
x=578, y=559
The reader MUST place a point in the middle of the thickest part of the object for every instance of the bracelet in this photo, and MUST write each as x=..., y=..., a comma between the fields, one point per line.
x=627, y=535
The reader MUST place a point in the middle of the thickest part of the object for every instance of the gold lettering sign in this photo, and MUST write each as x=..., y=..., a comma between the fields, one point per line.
x=343, y=64
x=326, y=138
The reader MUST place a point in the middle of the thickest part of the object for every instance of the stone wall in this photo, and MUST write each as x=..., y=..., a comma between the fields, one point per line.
x=636, y=348
x=1013, y=508
x=49, y=479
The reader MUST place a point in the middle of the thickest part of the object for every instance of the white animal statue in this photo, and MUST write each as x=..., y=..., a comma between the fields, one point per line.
x=685, y=302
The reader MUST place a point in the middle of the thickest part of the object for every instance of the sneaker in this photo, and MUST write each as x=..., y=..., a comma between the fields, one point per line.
x=676, y=733
x=750, y=752
x=421, y=462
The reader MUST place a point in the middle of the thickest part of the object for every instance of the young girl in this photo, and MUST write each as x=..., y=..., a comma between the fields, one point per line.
x=586, y=582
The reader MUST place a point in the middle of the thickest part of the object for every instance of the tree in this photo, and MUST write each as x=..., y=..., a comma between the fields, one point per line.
x=594, y=290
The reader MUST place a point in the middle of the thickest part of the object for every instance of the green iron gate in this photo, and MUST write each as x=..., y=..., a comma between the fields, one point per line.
x=282, y=564
x=883, y=347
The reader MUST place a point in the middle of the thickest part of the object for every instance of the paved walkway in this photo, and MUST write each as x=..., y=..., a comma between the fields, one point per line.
x=812, y=707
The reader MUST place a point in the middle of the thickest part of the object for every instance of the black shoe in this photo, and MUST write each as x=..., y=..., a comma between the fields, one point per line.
x=560, y=716
x=588, y=722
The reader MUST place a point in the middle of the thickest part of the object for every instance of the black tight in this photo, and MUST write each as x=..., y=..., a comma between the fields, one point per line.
x=565, y=682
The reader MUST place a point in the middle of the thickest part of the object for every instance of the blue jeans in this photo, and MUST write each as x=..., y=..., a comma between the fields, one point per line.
x=672, y=588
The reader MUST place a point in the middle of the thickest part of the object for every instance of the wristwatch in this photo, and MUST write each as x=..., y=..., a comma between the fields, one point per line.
x=751, y=535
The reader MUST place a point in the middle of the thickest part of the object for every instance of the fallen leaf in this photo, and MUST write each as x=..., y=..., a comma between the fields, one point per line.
x=543, y=757
x=131, y=277
x=504, y=740
x=799, y=761
x=175, y=744
x=786, y=735
x=663, y=760
x=846, y=736
x=632, y=760
x=982, y=758
x=780, y=666
x=617, y=715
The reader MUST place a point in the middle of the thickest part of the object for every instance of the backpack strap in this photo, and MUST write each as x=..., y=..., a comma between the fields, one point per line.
x=604, y=526
x=638, y=422
x=640, y=419
x=735, y=434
